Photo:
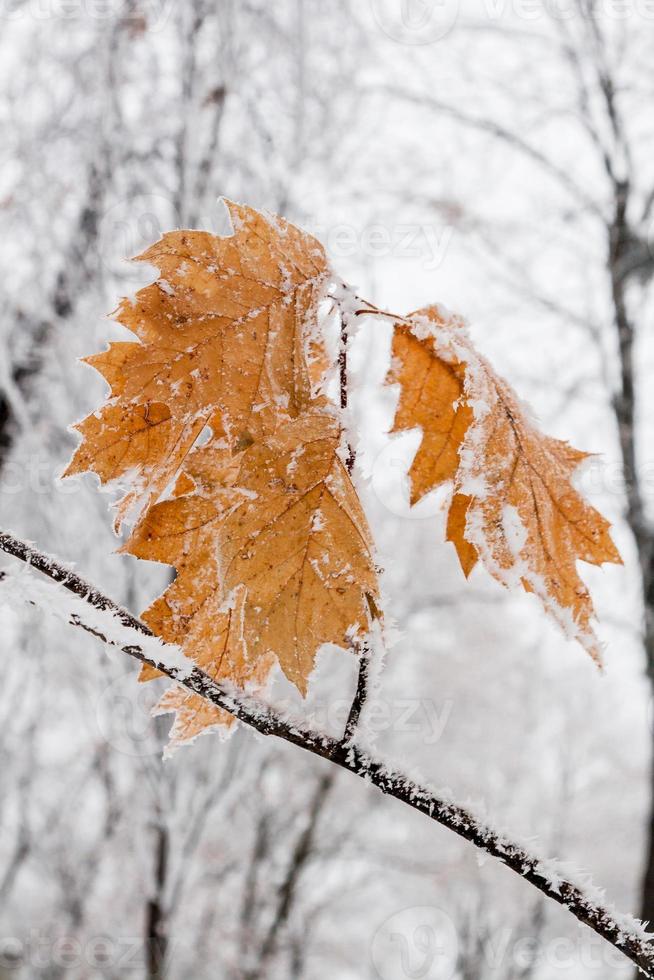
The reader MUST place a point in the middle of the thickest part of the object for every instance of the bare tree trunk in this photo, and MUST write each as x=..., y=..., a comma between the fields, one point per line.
x=628, y=265
x=156, y=917
x=287, y=890
x=61, y=304
x=625, y=408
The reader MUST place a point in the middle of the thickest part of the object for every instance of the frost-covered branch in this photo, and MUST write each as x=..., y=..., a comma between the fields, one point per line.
x=347, y=302
x=360, y=694
x=343, y=377
x=88, y=609
x=95, y=613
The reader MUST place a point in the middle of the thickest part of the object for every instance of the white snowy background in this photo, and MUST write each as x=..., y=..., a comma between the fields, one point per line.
x=442, y=152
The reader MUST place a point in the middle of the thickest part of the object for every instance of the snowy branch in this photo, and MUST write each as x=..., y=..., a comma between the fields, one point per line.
x=360, y=694
x=94, y=612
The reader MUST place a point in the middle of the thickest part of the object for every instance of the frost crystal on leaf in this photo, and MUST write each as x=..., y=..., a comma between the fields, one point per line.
x=513, y=505
x=232, y=455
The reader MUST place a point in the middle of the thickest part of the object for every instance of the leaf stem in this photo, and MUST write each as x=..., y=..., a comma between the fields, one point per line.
x=343, y=379
x=363, y=649
x=360, y=694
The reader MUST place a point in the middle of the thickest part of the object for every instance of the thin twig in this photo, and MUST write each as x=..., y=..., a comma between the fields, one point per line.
x=363, y=649
x=342, y=375
x=360, y=694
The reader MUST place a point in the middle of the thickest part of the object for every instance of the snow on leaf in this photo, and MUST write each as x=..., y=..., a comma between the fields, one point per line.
x=285, y=534
x=431, y=392
x=221, y=340
x=219, y=399
x=514, y=504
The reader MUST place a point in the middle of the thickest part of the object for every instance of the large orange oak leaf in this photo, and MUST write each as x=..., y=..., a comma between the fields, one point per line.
x=224, y=336
x=273, y=558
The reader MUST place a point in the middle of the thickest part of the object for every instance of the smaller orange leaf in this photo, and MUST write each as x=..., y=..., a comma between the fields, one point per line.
x=456, y=532
x=431, y=391
x=514, y=505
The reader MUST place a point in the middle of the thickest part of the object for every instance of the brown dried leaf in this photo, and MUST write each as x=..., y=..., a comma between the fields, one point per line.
x=431, y=392
x=222, y=341
x=514, y=504
x=273, y=559
x=263, y=525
